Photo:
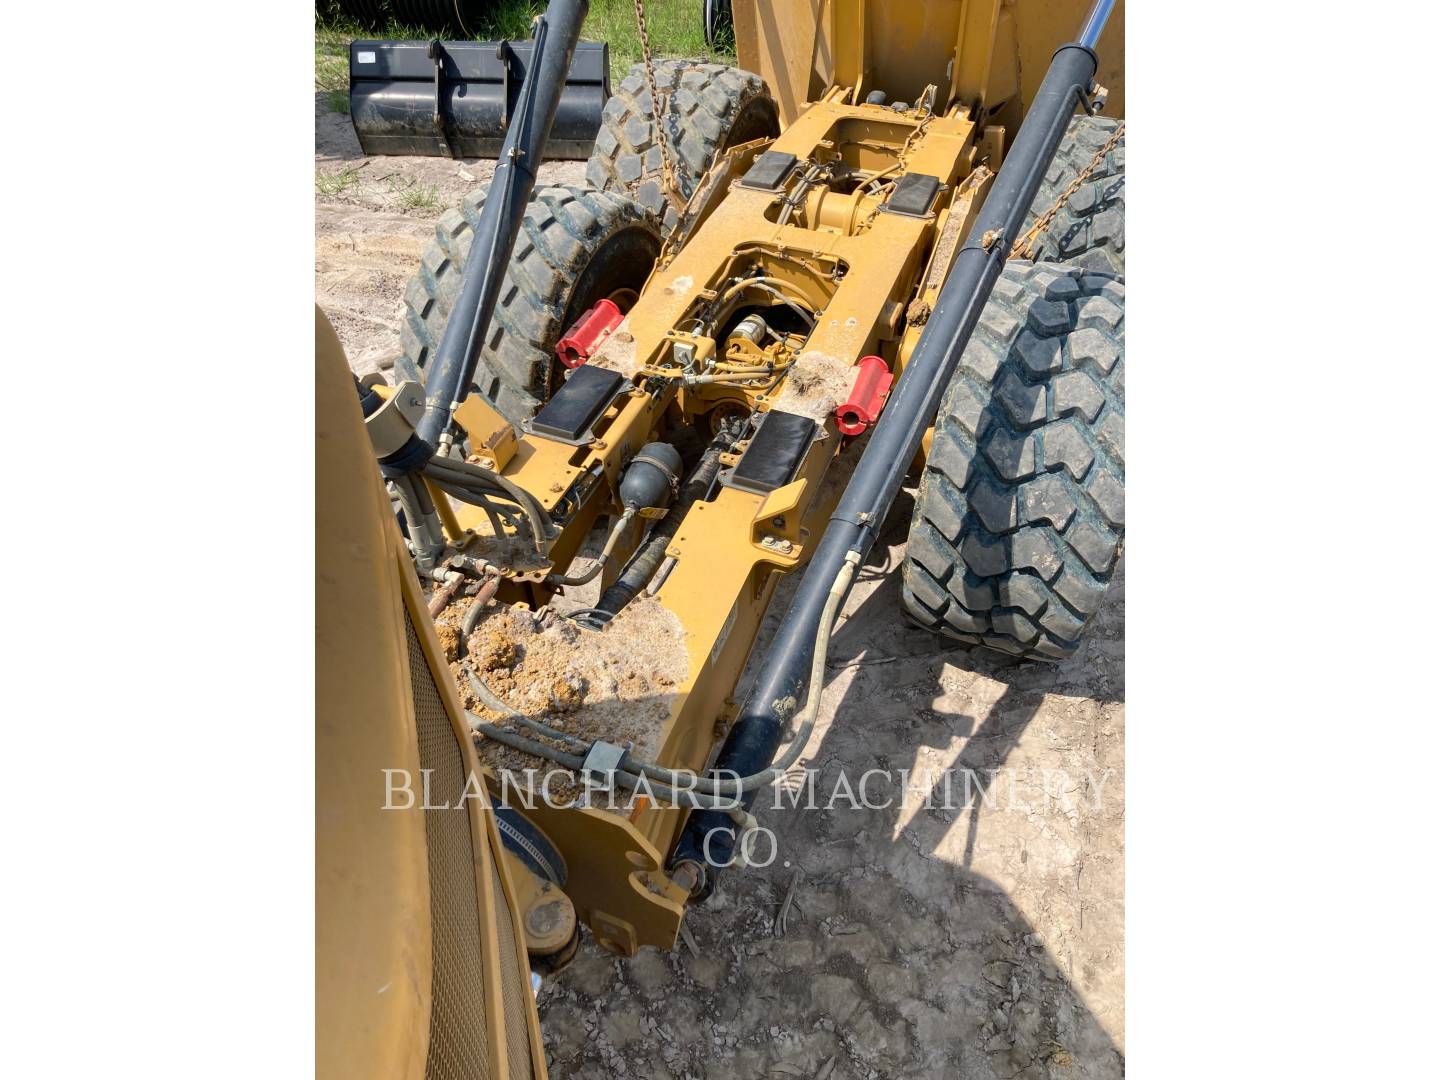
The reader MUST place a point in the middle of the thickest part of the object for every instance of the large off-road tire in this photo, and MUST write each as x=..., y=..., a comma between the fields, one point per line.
x=1089, y=229
x=1020, y=515
x=708, y=108
x=576, y=246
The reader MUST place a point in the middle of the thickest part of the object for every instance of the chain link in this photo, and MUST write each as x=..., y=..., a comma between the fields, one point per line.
x=1025, y=247
x=669, y=187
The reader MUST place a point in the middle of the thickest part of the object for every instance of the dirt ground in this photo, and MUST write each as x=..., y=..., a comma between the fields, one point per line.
x=980, y=936
x=370, y=235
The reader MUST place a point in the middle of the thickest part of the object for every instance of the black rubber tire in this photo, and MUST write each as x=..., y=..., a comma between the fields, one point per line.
x=1089, y=230
x=709, y=108
x=576, y=246
x=1020, y=516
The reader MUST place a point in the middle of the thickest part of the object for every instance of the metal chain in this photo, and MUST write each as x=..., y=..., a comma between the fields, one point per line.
x=461, y=20
x=1024, y=247
x=669, y=187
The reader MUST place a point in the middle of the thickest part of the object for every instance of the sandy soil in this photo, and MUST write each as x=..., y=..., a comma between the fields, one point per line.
x=981, y=937
x=368, y=241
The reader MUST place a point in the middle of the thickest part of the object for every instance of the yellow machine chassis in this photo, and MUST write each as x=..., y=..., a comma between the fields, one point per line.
x=729, y=552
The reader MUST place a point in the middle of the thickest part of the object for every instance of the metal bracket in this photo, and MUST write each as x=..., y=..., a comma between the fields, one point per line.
x=391, y=425
x=503, y=53
x=601, y=763
x=436, y=52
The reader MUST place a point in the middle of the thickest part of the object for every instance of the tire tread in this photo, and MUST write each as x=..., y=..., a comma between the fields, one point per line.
x=1019, y=518
x=563, y=229
x=704, y=104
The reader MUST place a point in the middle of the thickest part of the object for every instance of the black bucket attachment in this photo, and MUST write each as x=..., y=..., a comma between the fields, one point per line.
x=455, y=98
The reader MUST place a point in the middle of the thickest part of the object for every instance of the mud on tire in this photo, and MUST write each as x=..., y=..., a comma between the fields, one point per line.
x=708, y=108
x=1089, y=229
x=1020, y=516
x=575, y=246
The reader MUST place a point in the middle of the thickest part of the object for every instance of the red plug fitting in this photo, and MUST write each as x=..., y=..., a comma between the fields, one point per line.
x=588, y=334
x=867, y=396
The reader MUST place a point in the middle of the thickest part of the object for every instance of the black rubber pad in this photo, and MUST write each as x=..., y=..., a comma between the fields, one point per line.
x=576, y=406
x=774, y=455
x=913, y=194
x=769, y=171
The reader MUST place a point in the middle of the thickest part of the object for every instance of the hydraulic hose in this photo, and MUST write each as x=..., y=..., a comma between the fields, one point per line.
x=807, y=716
x=575, y=763
x=452, y=369
x=731, y=790
x=768, y=284
x=476, y=498
x=421, y=520
x=714, y=794
x=483, y=499
x=465, y=474
x=476, y=609
x=735, y=378
x=599, y=564
x=492, y=702
x=462, y=475
x=895, y=439
x=643, y=564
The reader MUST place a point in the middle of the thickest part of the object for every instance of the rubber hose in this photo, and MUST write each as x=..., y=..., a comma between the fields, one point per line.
x=697, y=800
x=807, y=714
x=491, y=701
x=643, y=564
x=605, y=553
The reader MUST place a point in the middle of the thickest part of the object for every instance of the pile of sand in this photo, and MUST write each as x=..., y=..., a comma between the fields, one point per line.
x=815, y=384
x=617, y=352
x=617, y=684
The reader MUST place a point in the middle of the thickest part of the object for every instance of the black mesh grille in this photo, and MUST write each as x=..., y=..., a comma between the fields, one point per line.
x=515, y=984
x=458, y=1043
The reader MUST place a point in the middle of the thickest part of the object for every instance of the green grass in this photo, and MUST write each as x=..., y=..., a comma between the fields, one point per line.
x=674, y=26
x=333, y=183
x=332, y=57
x=420, y=198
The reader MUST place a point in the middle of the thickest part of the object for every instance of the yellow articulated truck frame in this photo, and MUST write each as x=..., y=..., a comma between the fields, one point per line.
x=737, y=400
x=838, y=254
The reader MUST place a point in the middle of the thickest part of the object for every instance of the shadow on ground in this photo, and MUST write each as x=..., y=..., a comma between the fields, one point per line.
x=980, y=935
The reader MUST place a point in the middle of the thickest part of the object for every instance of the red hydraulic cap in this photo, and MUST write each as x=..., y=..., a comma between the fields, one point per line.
x=588, y=333
x=867, y=396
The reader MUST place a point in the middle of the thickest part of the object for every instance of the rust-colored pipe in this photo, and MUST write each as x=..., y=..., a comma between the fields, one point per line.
x=442, y=596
